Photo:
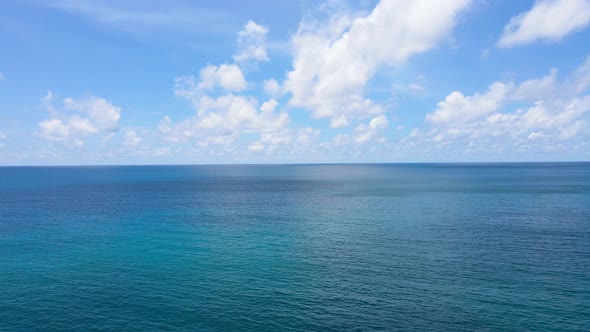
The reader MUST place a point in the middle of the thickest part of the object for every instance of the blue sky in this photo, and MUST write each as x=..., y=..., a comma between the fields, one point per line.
x=151, y=82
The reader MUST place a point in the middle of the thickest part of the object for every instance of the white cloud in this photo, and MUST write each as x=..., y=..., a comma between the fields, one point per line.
x=256, y=146
x=276, y=138
x=555, y=115
x=271, y=87
x=536, y=135
x=548, y=20
x=334, y=62
x=101, y=114
x=269, y=106
x=288, y=139
x=251, y=43
x=365, y=133
x=221, y=115
x=307, y=135
x=2, y=77
x=489, y=122
x=225, y=76
x=79, y=118
x=54, y=129
x=131, y=138
x=82, y=125
x=221, y=120
x=459, y=108
x=237, y=112
x=535, y=89
x=47, y=99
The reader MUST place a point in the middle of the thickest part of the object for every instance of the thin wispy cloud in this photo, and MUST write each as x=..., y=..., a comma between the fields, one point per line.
x=141, y=18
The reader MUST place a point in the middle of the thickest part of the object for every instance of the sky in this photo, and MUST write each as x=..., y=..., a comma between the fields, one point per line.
x=88, y=82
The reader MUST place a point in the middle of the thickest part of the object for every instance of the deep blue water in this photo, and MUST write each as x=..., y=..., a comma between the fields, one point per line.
x=496, y=247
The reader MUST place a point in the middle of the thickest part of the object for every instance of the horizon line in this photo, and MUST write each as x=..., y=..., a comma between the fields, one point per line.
x=312, y=163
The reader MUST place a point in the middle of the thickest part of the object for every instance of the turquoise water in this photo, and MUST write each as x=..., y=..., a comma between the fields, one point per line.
x=296, y=248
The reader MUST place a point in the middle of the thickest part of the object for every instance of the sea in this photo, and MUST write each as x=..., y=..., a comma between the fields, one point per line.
x=319, y=247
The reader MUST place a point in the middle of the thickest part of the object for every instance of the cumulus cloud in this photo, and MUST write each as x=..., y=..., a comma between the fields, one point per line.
x=238, y=112
x=78, y=118
x=223, y=113
x=459, y=108
x=271, y=87
x=100, y=114
x=548, y=20
x=364, y=133
x=494, y=120
x=269, y=106
x=220, y=120
x=334, y=62
x=251, y=43
x=54, y=129
x=225, y=76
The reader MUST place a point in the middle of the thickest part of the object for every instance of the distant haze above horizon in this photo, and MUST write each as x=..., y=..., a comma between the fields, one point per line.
x=186, y=82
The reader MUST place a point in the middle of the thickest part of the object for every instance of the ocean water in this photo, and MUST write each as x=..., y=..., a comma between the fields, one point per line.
x=425, y=247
